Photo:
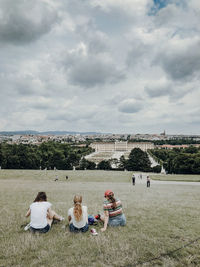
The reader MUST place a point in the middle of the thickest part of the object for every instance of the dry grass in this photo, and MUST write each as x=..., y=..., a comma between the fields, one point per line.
x=159, y=219
x=176, y=177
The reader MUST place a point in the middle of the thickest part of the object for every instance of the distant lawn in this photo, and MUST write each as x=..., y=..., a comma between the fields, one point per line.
x=176, y=177
x=160, y=219
x=73, y=176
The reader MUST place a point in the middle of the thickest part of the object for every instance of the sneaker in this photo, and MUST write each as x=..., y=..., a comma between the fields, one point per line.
x=27, y=227
x=93, y=231
x=62, y=218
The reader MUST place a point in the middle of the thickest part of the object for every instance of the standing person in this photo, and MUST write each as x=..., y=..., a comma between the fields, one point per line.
x=113, y=214
x=133, y=179
x=78, y=216
x=41, y=214
x=148, y=181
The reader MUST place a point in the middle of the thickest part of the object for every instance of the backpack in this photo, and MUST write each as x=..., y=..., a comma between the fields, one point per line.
x=91, y=220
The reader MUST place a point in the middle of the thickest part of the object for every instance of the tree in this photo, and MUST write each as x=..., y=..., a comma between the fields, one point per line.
x=86, y=164
x=138, y=161
x=104, y=165
x=157, y=169
x=122, y=162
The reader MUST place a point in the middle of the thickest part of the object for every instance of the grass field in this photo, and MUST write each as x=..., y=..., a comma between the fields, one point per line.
x=160, y=219
x=176, y=177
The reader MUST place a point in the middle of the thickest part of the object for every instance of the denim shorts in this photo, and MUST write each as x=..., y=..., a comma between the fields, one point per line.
x=74, y=229
x=119, y=220
x=40, y=230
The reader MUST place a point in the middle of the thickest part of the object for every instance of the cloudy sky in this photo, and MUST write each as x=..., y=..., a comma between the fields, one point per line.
x=120, y=66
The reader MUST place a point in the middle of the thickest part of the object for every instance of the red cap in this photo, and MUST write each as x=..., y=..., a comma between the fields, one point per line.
x=108, y=193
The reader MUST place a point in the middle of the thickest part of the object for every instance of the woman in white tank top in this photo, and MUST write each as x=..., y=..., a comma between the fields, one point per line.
x=41, y=214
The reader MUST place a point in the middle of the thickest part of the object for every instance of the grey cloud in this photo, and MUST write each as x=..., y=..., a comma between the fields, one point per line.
x=137, y=53
x=88, y=71
x=41, y=106
x=25, y=21
x=130, y=106
x=93, y=72
x=181, y=64
x=157, y=90
x=72, y=115
x=182, y=17
x=173, y=90
x=96, y=41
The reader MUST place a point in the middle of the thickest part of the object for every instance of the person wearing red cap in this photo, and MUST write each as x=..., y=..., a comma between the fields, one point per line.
x=113, y=214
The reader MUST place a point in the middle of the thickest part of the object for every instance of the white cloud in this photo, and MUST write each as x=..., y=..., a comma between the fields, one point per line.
x=106, y=65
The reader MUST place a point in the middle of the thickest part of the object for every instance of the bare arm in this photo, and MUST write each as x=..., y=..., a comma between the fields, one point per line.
x=106, y=218
x=69, y=218
x=28, y=213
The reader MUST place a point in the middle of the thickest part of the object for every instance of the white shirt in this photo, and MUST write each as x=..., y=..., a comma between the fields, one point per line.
x=39, y=214
x=83, y=220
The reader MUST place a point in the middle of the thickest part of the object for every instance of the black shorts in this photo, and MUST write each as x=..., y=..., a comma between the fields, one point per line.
x=41, y=230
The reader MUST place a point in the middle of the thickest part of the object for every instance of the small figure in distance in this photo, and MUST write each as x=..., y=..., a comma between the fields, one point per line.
x=78, y=216
x=133, y=179
x=140, y=176
x=148, y=181
x=67, y=177
x=41, y=214
x=113, y=214
x=56, y=179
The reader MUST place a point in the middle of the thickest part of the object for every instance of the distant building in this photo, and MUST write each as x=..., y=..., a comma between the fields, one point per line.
x=163, y=133
x=172, y=146
x=120, y=146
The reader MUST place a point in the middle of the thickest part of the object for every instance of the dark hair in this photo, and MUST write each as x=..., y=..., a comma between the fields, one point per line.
x=113, y=200
x=41, y=196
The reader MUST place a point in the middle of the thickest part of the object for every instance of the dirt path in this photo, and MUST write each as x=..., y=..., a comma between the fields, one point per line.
x=144, y=180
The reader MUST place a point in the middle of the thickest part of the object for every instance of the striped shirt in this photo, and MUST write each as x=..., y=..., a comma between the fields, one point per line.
x=113, y=212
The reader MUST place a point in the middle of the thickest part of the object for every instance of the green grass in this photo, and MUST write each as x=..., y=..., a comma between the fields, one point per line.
x=159, y=219
x=176, y=177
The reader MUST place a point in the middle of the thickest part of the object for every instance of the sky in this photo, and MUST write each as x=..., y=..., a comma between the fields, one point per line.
x=119, y=66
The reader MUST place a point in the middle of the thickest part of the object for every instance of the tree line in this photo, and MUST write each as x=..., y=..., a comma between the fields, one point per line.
x=138, y=160
x=47, y=155
x=52, y=155
x=179, y=160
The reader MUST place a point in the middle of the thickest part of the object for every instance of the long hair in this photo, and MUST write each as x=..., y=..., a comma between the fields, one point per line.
x=113, y=200
x=41, y=196
x=78, y=207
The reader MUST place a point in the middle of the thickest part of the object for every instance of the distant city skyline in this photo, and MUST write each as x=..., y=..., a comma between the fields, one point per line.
x=73, y=133
x=126, y=66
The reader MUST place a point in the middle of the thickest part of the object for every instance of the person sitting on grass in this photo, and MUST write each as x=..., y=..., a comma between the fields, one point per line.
x=78, y=216
x=113, y=214
x=41, y=214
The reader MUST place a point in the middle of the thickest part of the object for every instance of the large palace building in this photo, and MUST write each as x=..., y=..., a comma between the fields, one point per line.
x=120, y=146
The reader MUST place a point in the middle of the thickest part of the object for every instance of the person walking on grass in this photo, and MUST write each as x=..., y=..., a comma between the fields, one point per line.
x=41, y=214
x=78, y=216
x=133, y=179
x=113, y=214
x=148, y=181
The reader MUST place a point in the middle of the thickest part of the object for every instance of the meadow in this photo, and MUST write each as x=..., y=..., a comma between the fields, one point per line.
x=176, y=177
x=160, y=219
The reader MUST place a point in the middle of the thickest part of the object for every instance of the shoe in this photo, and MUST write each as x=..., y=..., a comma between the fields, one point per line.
x=93, y=231
x=27, y=227
x=62, y=219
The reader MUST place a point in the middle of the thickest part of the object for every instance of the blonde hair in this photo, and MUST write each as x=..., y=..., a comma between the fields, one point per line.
x=77, y=207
